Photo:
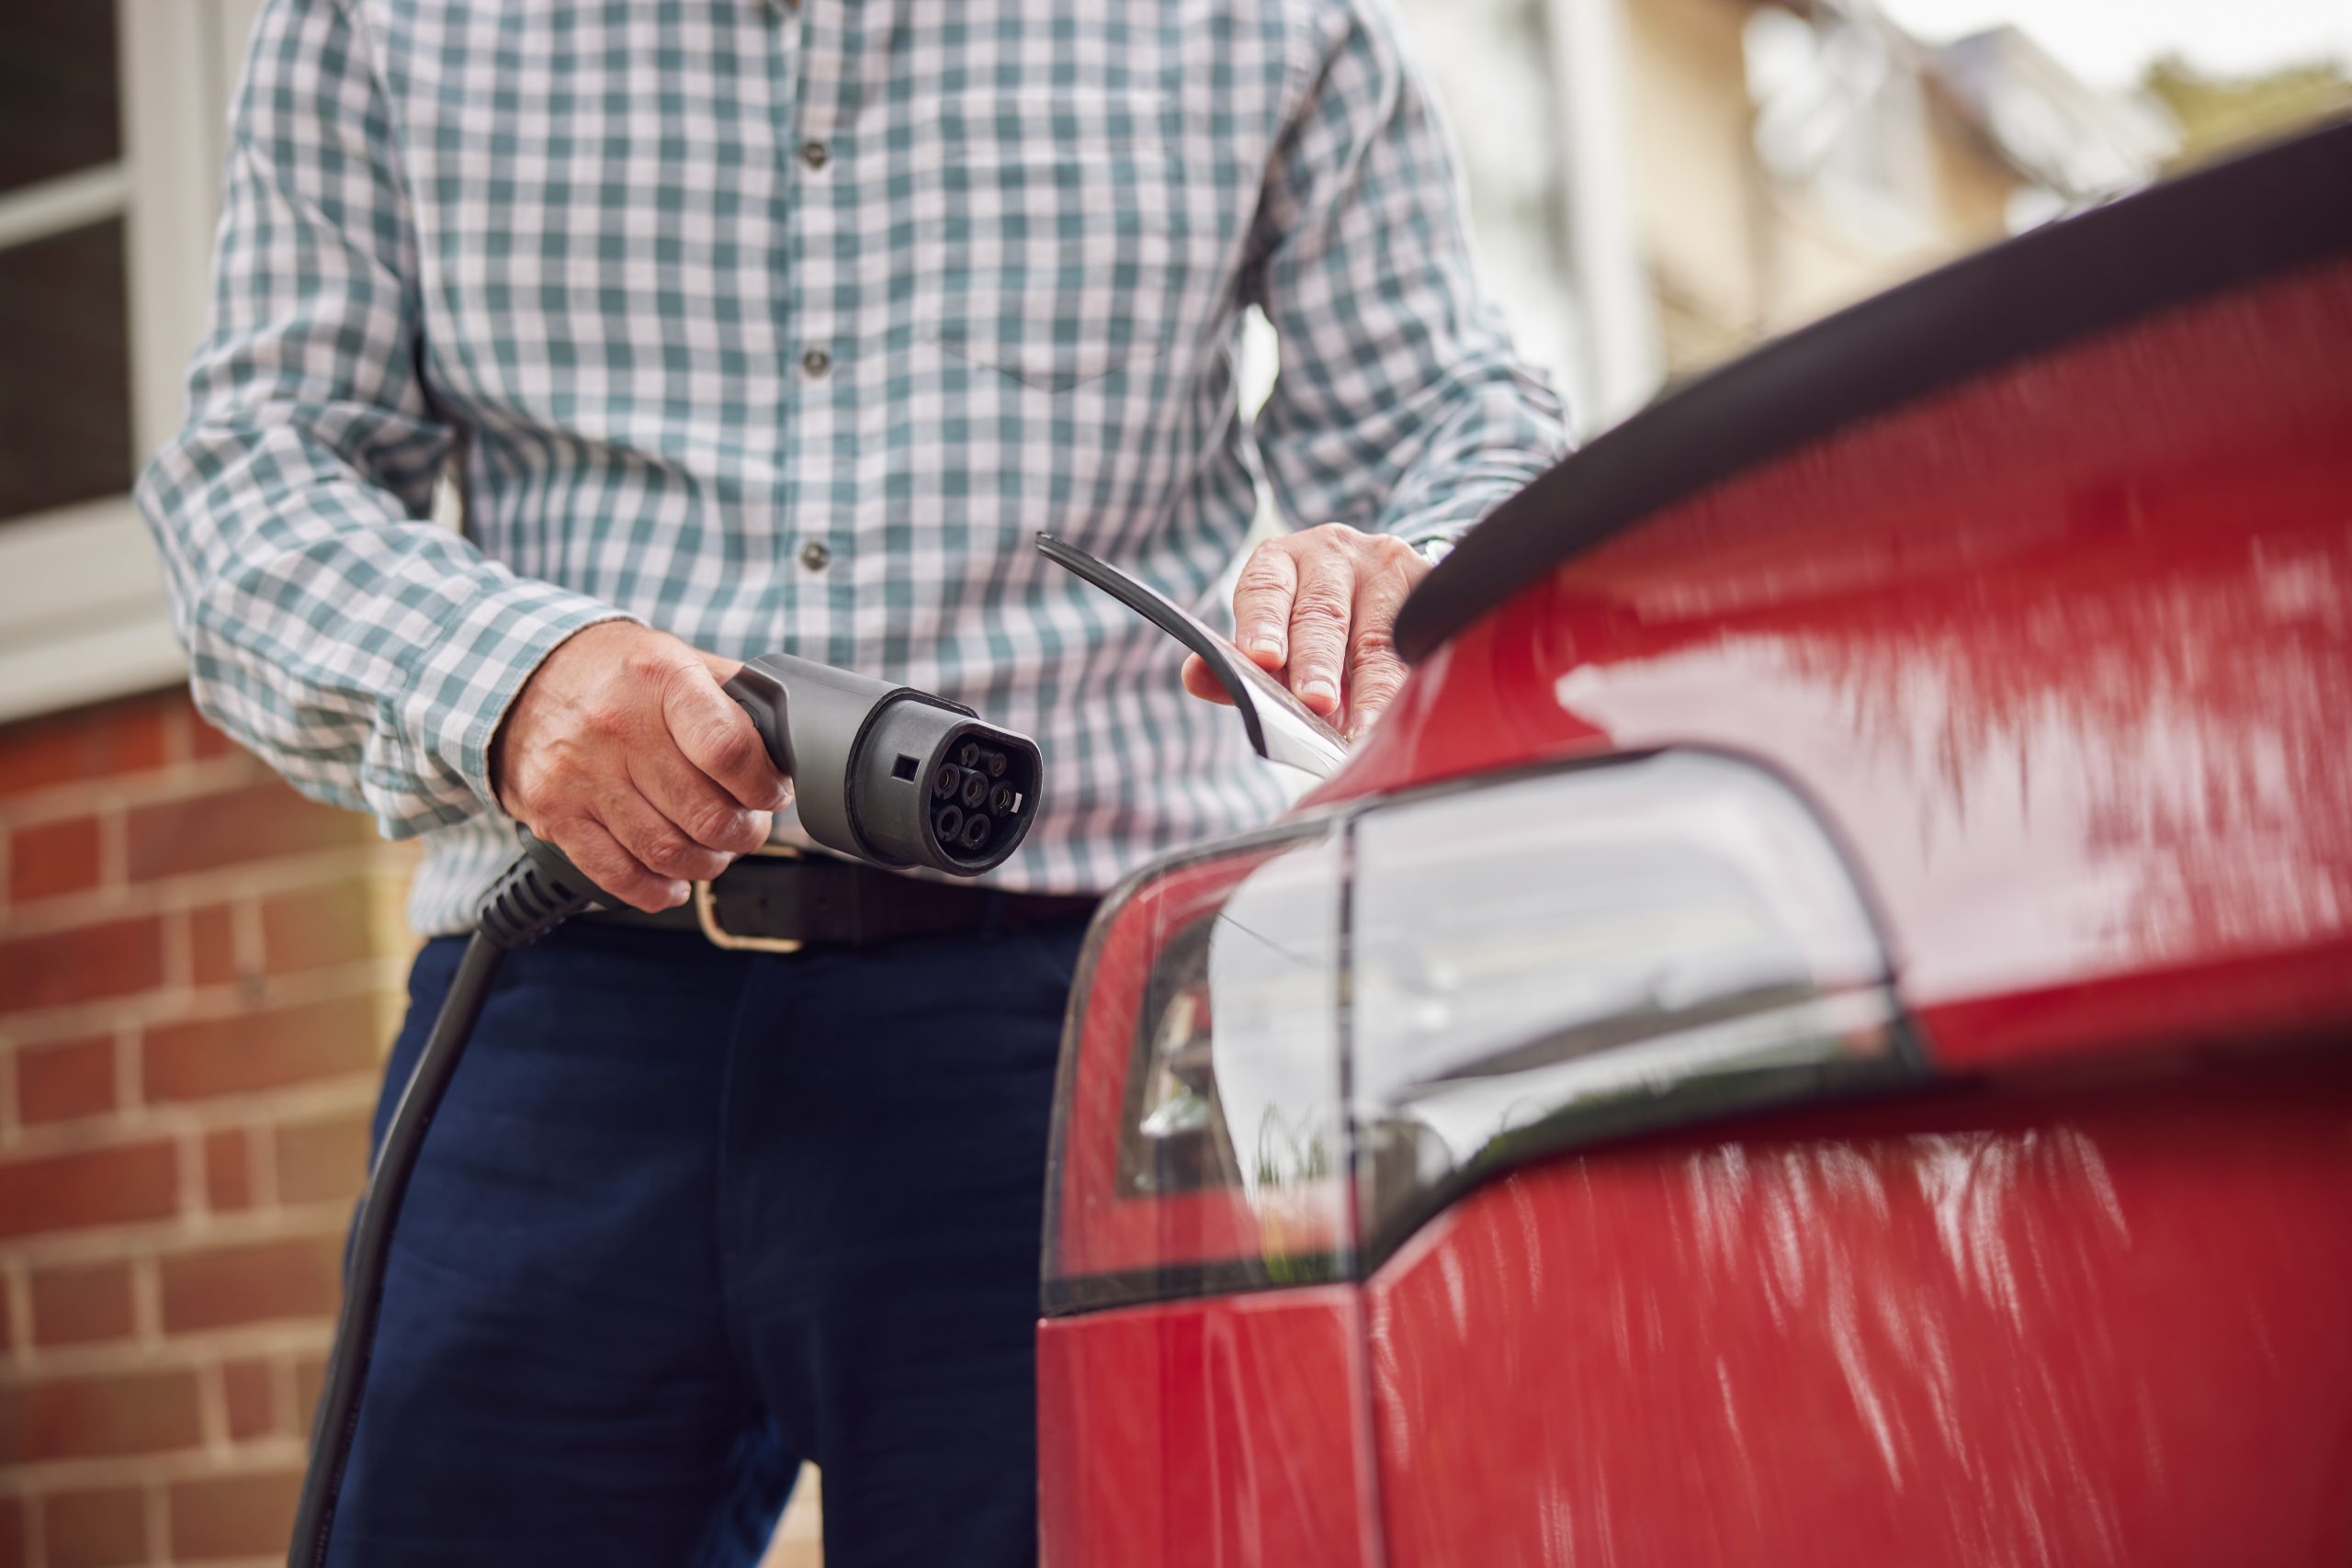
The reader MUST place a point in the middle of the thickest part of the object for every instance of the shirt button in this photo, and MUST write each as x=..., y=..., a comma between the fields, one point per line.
x=815, y=556
x=814, y=154
x=816, y=362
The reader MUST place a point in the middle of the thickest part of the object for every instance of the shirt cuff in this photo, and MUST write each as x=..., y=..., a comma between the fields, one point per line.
x=1445, y=525
x=461, y=686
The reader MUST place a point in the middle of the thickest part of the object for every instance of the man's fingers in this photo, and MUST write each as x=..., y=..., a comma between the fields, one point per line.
x=1201, y=683
x=1375, y=684
x=1374, y=676
x=719, y=737
x=686, y=796
x=1319, y=614
x=1261, y=605
x=602, y=860
x=1374, y=673
x=659, y=844
x=622, y=751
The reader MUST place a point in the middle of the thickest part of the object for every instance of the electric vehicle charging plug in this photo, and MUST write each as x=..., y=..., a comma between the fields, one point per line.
x=888, y=774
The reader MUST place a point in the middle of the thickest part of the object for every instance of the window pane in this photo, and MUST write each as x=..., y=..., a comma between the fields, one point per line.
x=60, y=110
x=65, y=370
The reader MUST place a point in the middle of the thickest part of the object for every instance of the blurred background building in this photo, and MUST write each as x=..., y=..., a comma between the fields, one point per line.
x=200, y=971
x=1659, y=183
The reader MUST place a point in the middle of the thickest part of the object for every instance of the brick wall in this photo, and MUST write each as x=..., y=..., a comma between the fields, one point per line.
x=199, y=972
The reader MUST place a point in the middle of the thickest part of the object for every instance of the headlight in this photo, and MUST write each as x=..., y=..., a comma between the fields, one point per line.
x=1199, y=1144
x=1286, y=1052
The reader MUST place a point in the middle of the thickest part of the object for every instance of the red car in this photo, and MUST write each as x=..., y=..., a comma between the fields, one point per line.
x=1815, y=1031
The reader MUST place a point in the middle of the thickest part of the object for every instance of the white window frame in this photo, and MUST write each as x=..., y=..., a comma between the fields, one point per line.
x=1618, y=360
x=82, y=611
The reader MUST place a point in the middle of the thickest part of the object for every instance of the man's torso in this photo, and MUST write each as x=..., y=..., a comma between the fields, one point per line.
x=787, y=326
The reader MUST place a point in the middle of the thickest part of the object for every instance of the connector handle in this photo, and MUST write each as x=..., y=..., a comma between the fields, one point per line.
x=813, y=735
x=760, y=692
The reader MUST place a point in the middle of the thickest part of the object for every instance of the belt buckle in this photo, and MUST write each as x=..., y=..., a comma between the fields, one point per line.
x=706, y=915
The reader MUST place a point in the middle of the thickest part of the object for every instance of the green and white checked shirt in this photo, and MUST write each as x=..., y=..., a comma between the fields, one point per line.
x=783, y=324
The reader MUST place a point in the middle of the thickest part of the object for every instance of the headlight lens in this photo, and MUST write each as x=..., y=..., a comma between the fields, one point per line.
x=1551, y=960
x=1286, y=1052
x=1199, y=1138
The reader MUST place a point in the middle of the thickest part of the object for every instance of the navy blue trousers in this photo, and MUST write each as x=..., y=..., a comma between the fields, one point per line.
x=689, y=1217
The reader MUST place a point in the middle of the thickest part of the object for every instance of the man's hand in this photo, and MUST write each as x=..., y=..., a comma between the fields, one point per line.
x=623, y=752
x=1317, y=608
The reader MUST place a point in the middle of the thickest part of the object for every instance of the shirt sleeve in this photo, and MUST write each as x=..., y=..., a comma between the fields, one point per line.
x=365, y=651
x=1401, y=407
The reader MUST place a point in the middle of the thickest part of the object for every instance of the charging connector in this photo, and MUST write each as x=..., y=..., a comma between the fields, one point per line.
x=888, y=774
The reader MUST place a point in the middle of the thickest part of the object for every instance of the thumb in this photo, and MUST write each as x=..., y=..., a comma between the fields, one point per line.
x=1201, y=683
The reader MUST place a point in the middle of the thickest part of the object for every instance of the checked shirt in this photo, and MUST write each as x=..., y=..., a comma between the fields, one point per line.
x=783, y=325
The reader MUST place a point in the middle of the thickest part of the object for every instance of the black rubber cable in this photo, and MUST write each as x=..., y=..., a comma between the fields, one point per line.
x=534, y=895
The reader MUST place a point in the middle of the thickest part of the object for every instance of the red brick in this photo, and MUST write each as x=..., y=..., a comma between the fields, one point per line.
x=233, y=1516
x=323, y=1161
x=247, y=1388
x=309, y=1382
x=82, y=1304
x=228, y=1171
x=213, y=944
x=253, y=822
x=316, y=926
x=15, y=1544
x=89, y=743
x=102, y=1528
x=252, y=1052
x=57, y=1082
x=252, y=1282
x=100, y=1417
x=115, y=958
x=205, y=742
x=49, y=858
x=89, y=1186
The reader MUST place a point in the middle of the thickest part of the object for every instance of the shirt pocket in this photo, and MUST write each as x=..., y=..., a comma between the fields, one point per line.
x=1052, y=251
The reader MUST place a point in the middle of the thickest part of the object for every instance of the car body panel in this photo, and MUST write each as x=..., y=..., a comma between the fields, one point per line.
x=2100, y=1325
x=1229, y=1433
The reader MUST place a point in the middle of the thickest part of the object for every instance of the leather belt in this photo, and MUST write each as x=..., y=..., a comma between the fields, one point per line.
x=780, y=901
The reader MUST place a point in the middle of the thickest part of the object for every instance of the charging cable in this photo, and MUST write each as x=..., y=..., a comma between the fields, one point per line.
x=537, y=893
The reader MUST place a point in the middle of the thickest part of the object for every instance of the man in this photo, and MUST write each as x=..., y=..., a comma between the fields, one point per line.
x=783, y=324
